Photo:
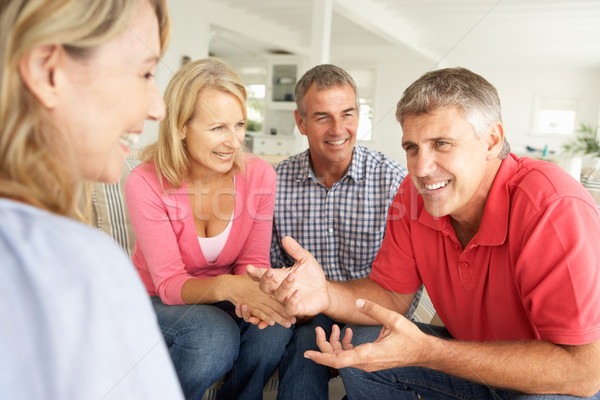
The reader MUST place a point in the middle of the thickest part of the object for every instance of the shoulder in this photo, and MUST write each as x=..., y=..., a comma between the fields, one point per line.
x=542, y=182
x=292, y=164
x=143, y=172
x=378, y=160
x=59, y=241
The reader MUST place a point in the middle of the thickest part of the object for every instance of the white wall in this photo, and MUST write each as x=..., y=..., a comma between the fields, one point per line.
x=517, y=87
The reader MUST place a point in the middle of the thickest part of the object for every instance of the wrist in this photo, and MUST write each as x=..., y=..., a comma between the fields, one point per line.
x=228, y=288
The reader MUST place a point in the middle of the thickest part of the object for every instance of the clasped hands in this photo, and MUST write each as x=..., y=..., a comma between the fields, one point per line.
x=303, y=291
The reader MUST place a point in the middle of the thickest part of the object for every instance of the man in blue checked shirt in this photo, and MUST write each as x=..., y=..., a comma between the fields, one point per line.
x=333, y=199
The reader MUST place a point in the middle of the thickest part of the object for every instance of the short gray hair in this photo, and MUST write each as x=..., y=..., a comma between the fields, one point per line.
x=473, y=95
x=324, y=76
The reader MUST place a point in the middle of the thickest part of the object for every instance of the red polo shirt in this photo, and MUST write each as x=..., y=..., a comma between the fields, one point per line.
x=532, y=271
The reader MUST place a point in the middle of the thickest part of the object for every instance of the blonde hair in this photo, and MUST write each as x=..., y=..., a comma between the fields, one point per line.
x=35, y=159
x=169, y=153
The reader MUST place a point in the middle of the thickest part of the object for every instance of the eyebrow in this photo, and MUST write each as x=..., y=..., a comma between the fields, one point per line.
x=151, y=59
x=435, y=139
x=327, y=113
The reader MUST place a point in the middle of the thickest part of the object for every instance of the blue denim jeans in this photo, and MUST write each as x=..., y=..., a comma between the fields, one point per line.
x=408, y=382
x=299, y=377
x=208, y=341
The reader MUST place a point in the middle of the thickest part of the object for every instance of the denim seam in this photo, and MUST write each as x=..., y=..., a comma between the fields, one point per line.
x=440, y=389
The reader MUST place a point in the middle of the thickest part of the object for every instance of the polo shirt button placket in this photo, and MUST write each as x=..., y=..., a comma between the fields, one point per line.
x=466, y=275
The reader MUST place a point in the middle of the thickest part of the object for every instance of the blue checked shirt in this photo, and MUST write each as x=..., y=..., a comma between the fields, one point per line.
x=342, y=227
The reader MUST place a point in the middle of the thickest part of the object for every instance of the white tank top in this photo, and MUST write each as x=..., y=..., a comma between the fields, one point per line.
x=213, y=246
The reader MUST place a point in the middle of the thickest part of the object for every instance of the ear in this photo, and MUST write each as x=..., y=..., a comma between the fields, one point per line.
x=38, y=71
x=300, y=122
x=183, y=132
x=495, y=140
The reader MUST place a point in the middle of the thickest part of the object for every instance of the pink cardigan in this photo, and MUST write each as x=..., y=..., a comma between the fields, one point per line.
x=167, y=252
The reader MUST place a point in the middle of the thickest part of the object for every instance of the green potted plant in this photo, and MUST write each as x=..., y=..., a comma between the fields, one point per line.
x=585, y=143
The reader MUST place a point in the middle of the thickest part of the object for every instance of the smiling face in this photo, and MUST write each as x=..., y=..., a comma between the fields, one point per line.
x=215, y=133
x=451, y=167
x=330, y=125
x=105, y=99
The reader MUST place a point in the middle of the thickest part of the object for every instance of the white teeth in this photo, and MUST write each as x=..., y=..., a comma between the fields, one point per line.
x=222, y=154
x=129, y=139
x=436, y=185
x=337, y=142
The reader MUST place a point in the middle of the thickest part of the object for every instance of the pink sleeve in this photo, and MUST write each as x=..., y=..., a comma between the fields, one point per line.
x=259, y=212
x=151, y=213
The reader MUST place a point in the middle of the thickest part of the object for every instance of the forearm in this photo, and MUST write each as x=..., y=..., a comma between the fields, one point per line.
x=343, y=296
x=535, y=367
x=210, y=290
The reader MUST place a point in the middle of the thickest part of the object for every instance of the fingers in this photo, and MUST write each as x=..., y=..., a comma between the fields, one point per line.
x=272, y=278
x=285, y=290
x=293, y=248
x=347, y=340
x=387, y=318
x=335, y=360
x=322, y=342
x=264, y=316
x=255, y=273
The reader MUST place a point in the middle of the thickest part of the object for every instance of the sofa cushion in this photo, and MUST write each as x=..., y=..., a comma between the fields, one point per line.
x=109, y=211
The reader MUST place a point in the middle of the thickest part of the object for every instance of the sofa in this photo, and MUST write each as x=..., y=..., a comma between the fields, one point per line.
x=109, y=214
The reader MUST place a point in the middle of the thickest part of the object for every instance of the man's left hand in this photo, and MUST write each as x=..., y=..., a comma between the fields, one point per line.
x=400, y=343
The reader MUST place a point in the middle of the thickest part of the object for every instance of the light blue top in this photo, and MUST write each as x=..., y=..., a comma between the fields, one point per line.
x=75, y=320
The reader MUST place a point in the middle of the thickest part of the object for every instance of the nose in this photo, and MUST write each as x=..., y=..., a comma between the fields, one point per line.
x=337, y=126
x=235, y=137
x=156, y=107
x=423, y=164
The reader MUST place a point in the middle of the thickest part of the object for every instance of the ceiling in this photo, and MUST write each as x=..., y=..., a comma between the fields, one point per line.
x=557, y=33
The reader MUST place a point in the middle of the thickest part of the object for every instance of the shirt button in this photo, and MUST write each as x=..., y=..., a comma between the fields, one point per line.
x=464, y=265
x=330, y=230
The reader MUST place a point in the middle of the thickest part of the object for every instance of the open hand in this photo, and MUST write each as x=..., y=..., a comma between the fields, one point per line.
x=302, y=289
x=400, y=343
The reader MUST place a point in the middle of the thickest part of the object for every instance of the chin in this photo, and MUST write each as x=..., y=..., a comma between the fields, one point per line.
x=111, y=172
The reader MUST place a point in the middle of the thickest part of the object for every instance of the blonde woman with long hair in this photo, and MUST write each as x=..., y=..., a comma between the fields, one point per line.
x=202, y=210
x=76, y=82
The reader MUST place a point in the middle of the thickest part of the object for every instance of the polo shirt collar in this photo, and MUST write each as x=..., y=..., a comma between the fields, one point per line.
x=494, y=224
x=354, y=171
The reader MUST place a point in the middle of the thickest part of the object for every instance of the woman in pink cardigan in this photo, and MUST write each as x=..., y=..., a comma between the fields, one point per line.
x=202, y=210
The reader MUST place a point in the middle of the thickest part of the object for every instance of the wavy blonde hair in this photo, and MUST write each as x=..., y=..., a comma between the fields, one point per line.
x=36, y=163
x=169, y=153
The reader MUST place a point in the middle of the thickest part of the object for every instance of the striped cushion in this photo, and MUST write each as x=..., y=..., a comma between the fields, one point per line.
x=425, y=311
x=109, y=211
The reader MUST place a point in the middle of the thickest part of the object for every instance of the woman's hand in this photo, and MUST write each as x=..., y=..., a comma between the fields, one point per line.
x=256, y=307
x=302, y=289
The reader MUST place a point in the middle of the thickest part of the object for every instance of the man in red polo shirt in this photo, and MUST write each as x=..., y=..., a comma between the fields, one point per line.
x=508, y=249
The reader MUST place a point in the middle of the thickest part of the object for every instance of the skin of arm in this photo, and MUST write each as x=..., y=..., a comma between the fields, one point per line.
x=538, y=367
x=236, y=289
x=304, y=291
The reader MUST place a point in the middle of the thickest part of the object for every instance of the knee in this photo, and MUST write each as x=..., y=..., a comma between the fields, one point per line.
x=208, y=331
x=271, y=340
x=304, y=338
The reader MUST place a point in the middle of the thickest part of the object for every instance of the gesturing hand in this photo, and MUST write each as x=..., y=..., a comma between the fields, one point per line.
x=302, y=289
x=400, y=343
x=257, y=307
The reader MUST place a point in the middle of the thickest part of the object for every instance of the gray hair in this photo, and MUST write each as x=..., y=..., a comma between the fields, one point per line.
x=473, y=95
x=324, y=76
